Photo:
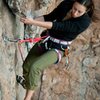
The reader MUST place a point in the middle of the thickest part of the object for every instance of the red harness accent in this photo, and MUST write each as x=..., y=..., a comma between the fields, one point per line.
x=32, y=40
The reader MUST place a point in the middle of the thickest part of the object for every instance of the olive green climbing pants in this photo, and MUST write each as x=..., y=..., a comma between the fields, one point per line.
x=36, y=61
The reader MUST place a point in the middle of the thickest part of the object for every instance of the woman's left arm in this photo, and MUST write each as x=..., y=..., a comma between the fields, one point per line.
x=31, y=21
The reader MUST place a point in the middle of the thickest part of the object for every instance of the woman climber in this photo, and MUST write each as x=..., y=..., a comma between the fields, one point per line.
x=61, y=32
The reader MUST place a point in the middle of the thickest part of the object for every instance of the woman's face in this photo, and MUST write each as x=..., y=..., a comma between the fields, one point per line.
x=78, y=10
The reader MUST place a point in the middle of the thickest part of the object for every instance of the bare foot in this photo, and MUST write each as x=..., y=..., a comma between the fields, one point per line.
x=29, y=94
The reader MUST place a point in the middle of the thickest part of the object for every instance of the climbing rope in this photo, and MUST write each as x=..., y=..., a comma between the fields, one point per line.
x=20, y=41
x=31, y=40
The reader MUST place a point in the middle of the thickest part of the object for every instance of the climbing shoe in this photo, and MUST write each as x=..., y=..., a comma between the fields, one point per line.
x=20, y=80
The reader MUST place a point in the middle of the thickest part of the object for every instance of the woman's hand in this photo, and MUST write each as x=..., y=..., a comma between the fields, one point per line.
x=31, y=21
x=27, y=20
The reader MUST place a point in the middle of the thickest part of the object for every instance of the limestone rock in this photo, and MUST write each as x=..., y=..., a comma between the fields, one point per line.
x=79, y=80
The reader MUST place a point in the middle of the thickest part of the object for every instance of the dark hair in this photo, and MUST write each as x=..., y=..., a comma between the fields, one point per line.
x=89, y=5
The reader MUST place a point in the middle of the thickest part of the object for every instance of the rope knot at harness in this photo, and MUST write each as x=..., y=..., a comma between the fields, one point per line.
x=34, y=40
x=31, y=40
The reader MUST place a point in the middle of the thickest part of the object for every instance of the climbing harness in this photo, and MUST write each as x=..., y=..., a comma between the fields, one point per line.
x=60, y=41
x=45, y=39
x=61, y=48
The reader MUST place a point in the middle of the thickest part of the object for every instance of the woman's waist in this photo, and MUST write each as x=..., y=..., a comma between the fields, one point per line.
x=51, y=42
x=62, y=37
x=59, y=41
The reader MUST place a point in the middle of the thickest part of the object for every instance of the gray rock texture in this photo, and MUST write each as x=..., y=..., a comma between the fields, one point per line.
x=78, y=80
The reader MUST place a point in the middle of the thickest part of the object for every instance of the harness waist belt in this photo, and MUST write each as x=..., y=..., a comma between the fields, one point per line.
x=60, y=41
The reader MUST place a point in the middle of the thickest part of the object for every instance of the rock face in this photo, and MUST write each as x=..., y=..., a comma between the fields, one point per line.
x=79, y=80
